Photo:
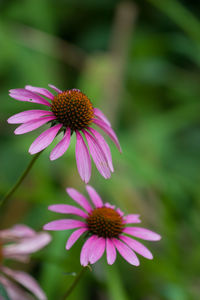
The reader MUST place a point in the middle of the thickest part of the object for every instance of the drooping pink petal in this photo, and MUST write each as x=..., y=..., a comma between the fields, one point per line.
x=136, y=246
x=97, y=155
x=79, y=198
x=64, y=224
x=74, y=237
x=17, y=232
x=55, y=88
x=68, y=209
x=104, y=146
x=32, y=125
x=126, y=252
x=25, y=258
x=110, y=132
x=132, y=218
x=97, y=250
x=86, y=249
x=94, y=196
x=99, y=114
x=110, y=251
x=27, y=281
x=109, y=205
x=142, y=233
x=41, y=91
x=28, y=115
x=25, y=95
x=120, y=212
x=28, y=245
x=45, y=139
x=62, y=146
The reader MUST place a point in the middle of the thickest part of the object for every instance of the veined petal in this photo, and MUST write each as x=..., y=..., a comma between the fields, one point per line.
x=94, y=196
x=99, y=114
x=67, y=209
x=142, y=233
x=110, y=132
x=110, y=251
x=39, y=90
x=74, y=237
x=62, y=146
x=126, y=252
x=132, y=218
x=25, y=95
x=32, y=125
x=45, y=139
x=86, y=249
x=97, y=250
x=64, y=224
x=28, y=115
x=79, y=198
x=82, y=158
x=136, y=246
x=55, y=88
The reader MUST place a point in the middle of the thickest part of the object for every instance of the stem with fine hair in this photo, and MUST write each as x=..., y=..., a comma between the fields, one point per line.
x=20, y=179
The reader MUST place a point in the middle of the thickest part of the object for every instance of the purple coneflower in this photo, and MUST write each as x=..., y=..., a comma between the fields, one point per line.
x=105, y=228
x=69, y=111
x=17, y=243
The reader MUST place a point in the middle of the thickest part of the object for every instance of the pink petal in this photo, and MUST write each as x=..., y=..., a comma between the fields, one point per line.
x=32, y=125
x=136, y=246
x=17, y=232
x=96, y=199
x=25, y=95
x=103, y=144
x=97, y=155
x=62, y=146
x=99, y=114
x=41, y=91
x=86, y=249
x=132, y=219
x=83, y=158
x=126, y=252
x=97, y=250
x=109, y=132
x=142, y=233
x=28, y=115
x=55, y=88
x=68, y=209
x=45, y=139
x=74, y=237
x=64, y=224
x=79, y=198
x=27, y=281
x=110, y=251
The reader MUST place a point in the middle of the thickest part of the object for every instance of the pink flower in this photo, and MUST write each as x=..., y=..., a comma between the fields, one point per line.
x=105, y=228
x=69, y=111
x=17, y=243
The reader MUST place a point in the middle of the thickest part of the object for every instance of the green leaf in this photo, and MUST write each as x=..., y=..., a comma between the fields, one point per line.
x=4, y=293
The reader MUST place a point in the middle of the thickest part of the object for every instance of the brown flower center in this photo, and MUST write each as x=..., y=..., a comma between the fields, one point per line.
x=73, y=109
x=105, y=222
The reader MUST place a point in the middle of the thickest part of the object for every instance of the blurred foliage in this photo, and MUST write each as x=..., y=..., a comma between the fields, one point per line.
x=155, y=113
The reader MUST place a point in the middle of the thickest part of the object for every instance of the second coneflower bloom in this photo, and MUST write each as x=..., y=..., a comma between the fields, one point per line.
x=68, y=112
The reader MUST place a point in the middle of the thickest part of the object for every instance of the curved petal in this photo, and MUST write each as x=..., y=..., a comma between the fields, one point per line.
x=27, y=281
x=126, y=252
x=104, y=146
x=45, y=139
x=86, y=249
x=132, y=218
x=142, y=233
x=25, y=95
x=97, y=250
x=94, y=196
x=64, y=224
x=28, y=115
x=136, y=246
x=62, y=146
x=55, y=88
x=17, y=232
x=110, y=132
x=79, y=198
x=99, y=114
x=74, y=237
x=97, y=155
x=67, y=209
x=82, y=158
x=41, y=91
x=110, y=251
x=32, y=125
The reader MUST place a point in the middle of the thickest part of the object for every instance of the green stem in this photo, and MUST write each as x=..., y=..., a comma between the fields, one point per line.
x=74, y=284
x=20, y=179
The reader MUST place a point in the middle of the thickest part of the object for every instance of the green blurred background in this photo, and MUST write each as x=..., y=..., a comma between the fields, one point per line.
x=138, y=62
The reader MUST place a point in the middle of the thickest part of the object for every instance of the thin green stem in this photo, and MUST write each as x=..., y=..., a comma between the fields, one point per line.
x=20, y=179
x=76, y=281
